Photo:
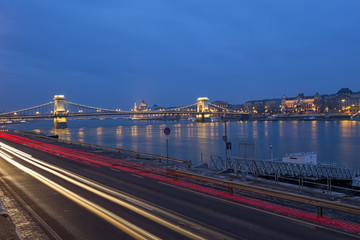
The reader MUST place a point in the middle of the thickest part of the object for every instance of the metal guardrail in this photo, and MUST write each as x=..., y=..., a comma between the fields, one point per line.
x=319, y=203
x=138, y=154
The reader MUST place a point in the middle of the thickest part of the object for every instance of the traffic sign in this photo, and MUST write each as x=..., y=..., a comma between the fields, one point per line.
x=167, y=131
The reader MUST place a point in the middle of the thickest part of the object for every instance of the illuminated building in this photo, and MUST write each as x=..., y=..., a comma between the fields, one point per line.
x=266, y=106
x=142, y=107
x=344, y=101
x=301, y=103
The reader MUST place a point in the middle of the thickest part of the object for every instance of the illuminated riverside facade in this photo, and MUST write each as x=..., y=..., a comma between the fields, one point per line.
x=301, y=104
x=266, y=106
x=344, y=101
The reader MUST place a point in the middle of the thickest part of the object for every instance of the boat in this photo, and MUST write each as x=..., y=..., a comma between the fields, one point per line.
x=214, y=119
x=311, y=118
x=191, y=119
x=271, y=118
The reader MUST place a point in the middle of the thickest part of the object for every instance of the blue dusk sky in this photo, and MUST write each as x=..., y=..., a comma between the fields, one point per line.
x=112, y=53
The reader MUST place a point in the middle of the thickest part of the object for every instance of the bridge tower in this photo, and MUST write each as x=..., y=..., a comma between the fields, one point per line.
x=202, y=104
x=59, y=112
x=202, y=107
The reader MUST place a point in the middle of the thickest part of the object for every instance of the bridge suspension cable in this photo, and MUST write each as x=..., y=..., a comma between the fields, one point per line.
x=213, y=105
x=176, y=108
x=27, y=109
x=89, y=107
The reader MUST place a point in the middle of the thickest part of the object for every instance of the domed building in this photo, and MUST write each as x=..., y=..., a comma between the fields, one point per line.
x=142, y=107
x=344, y=101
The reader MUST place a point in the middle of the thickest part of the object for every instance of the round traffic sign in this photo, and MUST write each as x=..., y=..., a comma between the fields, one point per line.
x=167, y=131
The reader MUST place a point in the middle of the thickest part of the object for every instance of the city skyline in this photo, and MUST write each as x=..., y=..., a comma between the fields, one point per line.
x=112, y=55
x=159, y=105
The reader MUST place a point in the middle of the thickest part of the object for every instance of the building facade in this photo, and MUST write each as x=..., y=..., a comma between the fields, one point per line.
x=301, y=103
x=344, y=101
x=266, y=106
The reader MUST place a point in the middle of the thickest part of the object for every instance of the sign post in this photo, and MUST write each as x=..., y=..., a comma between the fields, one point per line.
x=167, y=132
x=225, y=138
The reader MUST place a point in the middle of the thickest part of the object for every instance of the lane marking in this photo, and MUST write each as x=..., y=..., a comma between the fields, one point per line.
x=257, y=209
x=129, y=228
x=297, y=221
x=135, y=175
x=176, y=228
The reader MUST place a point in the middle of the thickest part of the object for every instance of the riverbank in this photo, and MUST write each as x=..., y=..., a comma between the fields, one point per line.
x=301, y=117
x=156, y=164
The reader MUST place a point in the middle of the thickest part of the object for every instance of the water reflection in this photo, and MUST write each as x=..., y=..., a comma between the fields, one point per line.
x=346, y=128
x=255, y=129
x=281, y=128
x=334, y=141
x=266, y=128
x=64, y=134
x=314, y=137
x=134, y=131
x=148, y=131
x=295, y=128
x=177, y=130
x=99, y=131
x=119, y=131
x=81, y=132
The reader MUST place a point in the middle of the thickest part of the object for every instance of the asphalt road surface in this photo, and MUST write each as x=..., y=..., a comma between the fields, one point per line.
x=78, y=200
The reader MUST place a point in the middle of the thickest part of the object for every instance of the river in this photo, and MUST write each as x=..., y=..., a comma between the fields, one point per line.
x=334, y=141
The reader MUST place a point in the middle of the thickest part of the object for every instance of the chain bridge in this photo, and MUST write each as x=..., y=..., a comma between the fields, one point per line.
x=59, y=109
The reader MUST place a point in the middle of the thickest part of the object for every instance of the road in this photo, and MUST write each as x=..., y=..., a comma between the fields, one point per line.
x=80, y=200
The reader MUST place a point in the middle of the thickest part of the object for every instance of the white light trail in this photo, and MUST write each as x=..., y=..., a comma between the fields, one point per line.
x=110, y=217
x=116, y=195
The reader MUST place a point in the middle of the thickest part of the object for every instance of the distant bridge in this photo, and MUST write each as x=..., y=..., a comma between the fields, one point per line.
x=60, y=110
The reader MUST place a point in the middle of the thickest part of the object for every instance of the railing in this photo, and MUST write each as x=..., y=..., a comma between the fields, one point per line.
x=265, y=167
x=138, y=154
x=327, y=187
x=319, y=203
x=355, y=114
